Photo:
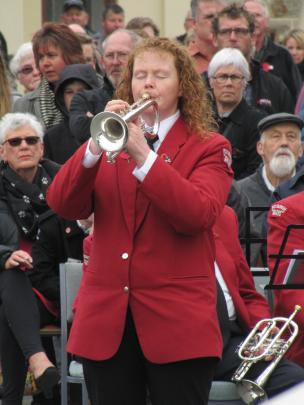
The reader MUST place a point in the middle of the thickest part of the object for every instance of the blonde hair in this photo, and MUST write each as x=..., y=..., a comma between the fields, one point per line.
x=6, y=102
x=193, y=103
x=297, y=35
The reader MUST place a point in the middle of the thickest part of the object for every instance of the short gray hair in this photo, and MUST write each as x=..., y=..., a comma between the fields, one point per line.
x=24, y=51
x=195, y=4
x=13, y=121
x=135, y=38
x=226, y=57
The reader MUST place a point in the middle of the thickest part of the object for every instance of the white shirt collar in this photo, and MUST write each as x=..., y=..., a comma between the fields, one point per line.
x=266, y=180
x=165, y=126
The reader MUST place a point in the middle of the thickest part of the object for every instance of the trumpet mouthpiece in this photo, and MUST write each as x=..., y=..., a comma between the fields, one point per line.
x=298, y=308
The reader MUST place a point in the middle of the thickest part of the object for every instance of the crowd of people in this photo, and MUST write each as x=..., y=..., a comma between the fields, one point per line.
x=167, y=294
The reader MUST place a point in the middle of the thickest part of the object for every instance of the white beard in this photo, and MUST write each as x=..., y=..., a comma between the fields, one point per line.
x=282, y=166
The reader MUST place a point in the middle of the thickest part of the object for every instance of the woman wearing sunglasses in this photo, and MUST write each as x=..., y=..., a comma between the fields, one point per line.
x=54, y=47
x=24, y=179
x=23, y=67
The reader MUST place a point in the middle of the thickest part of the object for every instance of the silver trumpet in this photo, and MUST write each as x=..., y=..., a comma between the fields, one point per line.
x=109, y=130
x=259, y=345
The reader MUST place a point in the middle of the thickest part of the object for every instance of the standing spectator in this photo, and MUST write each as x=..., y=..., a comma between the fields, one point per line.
x=144, y=23
x=234, y=27
x=294, y=42
x=113, y=18
x=280, y=149
x=203, y=48
x=274, y=58
x=74, y=13
x=23, y=67
x=116, y=50
x=188, y=25
x=151, y=322
x=6, y=94
x=91, y=55
x=54, y=46
x=59, y=142
x=228, y=74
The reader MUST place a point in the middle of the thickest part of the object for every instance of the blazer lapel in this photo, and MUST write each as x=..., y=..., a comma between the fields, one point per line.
x=168, y=151
x=127, y=184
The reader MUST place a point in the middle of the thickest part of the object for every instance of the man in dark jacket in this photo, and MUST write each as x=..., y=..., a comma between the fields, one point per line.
x=59, y=141
x=274, y=58
x=280, y=149
x=117, y=48
x=234, y=27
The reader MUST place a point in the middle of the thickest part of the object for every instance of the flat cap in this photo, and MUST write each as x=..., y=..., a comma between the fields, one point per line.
x=73, y=3
x=279, y=118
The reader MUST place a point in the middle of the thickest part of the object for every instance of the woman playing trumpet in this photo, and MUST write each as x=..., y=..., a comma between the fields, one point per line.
x=146, y=313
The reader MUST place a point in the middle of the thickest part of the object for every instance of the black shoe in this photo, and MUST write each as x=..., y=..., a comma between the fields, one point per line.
x=47, y=381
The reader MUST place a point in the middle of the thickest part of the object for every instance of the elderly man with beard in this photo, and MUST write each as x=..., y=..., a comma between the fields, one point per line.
x=116, y=50
x=280, y=148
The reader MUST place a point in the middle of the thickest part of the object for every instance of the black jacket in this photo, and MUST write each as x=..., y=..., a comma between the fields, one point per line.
x=240, y=128
x=269, y=93
x=289, y=187
x=93, y=101
x=59, y=141
x=58, y=239
x=278, y=60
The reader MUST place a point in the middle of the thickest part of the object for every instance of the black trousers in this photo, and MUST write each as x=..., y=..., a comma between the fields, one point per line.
x=126, y=378
x=21, y=316
x=286, y=374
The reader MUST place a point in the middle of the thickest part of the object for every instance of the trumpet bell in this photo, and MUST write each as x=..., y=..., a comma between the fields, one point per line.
x=108, y=130
x=249, y=391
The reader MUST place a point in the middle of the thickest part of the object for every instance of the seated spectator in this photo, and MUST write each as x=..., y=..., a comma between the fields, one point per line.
x=54, y=46
x=228, y=74
x=116, y=50
x=24, y=180
x=240, y=307
x=143, y=23
x=294, y=42
x=23, y=67
x=283, y=213
x=59, y=142
x=280, y=148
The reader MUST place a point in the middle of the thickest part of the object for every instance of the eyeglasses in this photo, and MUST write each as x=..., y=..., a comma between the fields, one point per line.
x=122, y=56
x=221, y=79
x=30, y=140
x=26, y=70
x=239, y=32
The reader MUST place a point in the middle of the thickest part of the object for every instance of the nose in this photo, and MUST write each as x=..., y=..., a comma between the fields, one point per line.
x=36, y=71
x=232, y=35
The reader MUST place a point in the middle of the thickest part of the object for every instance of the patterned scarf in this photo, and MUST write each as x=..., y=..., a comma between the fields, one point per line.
x=25, y=200
x=49, y=111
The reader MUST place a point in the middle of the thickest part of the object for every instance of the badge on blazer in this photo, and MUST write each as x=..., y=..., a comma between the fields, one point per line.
x=227, y=157
x=278, y=209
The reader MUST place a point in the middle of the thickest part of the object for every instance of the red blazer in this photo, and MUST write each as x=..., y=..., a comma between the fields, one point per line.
x=250, y=306
x=152, y=247
x=290, y=210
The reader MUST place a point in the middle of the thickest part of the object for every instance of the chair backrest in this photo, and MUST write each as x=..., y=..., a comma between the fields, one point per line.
x=70, y=277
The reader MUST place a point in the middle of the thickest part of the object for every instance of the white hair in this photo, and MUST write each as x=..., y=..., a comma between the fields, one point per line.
x=261, y=3
x=228, y=57
x=13, y=121
x=24, y=51
x=282, y=166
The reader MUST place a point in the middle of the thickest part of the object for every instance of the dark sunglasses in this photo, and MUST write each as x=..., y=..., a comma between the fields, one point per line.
x=26, y=70
x=30, y=140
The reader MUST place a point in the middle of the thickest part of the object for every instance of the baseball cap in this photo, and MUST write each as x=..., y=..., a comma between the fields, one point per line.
x=73, y=3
